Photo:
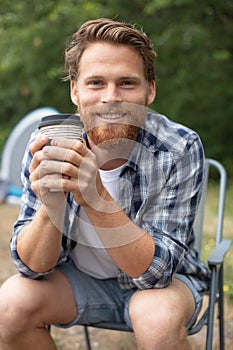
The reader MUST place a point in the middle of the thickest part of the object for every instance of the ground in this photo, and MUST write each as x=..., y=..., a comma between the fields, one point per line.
x=73, y=338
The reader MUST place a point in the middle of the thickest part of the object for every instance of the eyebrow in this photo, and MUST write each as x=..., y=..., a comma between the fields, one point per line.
x=126, y=76
x=93, y=77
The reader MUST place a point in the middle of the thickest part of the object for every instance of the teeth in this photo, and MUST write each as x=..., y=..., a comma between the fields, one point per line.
x=111, y=116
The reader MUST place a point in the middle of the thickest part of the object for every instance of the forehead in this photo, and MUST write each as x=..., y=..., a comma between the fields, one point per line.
x=106, y=57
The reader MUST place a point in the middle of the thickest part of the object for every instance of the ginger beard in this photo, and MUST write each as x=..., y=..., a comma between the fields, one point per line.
x=116, y=123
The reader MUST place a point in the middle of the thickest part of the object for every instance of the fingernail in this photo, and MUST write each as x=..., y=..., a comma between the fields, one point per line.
x=46, y=149
x=54, y=142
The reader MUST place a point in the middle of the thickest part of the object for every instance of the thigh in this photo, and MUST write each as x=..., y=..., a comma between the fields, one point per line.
x=45, y=301
x=96, y=299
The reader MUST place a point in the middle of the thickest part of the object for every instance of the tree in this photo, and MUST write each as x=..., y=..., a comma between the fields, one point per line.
x=193, y=40
x=33, y=36
x=196, y=49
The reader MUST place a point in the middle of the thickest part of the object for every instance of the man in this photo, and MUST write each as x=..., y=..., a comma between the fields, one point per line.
x=105, y=230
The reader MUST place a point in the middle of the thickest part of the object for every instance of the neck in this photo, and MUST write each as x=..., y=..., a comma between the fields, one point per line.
x=113, y=156
x=110, y=165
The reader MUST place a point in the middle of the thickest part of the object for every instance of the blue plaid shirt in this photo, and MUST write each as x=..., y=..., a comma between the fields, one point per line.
x=160, y=186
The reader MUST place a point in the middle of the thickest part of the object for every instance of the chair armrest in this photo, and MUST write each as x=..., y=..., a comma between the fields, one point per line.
x=221, y=249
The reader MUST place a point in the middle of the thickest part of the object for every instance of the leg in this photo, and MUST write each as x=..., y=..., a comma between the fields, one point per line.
x=26, y=306
x=159, y=317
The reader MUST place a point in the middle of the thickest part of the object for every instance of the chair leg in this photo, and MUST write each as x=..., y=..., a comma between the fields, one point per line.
x=210, y=325
x=221, y=310
x=87, y=338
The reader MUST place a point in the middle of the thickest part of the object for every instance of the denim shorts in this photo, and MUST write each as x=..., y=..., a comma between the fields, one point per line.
x=104, y=301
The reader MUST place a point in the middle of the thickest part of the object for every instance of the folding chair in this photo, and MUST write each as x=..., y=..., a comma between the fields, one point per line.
x=215, y=264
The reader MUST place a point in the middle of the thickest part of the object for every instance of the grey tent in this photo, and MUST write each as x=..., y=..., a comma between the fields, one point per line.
x=14, y=147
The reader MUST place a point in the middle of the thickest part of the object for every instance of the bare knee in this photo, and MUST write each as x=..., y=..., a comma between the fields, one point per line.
x=16, y=307
x=149, y=315
x=155, y=322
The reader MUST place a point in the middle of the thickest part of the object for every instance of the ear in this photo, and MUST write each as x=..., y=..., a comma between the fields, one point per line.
x=74, y=93
x=151, y=93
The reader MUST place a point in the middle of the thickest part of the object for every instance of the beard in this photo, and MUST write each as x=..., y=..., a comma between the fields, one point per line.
x=102, y=131
x=113, y=134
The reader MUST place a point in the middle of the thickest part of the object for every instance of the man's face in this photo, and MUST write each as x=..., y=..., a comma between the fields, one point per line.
x=111, y=92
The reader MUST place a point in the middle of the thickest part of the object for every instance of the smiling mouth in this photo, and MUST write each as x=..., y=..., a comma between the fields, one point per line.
x=112, y=116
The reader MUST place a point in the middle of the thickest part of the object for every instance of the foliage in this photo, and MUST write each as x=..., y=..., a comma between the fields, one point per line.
x=193, y=40
x=194, y=70
x=33, y=36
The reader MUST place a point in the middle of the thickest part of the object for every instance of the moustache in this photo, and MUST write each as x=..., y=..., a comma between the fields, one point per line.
x=116, y=110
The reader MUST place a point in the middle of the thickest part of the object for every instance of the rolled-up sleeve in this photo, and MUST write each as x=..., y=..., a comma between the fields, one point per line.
x=29, y=206
x=168, y=211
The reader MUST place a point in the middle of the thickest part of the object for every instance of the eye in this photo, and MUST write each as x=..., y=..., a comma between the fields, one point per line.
x=95, y=83
x=128, y=83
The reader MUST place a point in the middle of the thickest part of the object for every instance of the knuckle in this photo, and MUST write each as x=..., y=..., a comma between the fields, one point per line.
x=72, y=157
x=65, y=185
x=33, y=186
x=36, y=157
x=67, y=167
x=78, y=145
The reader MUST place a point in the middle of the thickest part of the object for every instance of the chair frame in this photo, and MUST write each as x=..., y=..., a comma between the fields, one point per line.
x=215, y=264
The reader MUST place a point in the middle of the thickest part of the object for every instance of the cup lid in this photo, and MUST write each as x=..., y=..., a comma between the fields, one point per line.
x=57, y=119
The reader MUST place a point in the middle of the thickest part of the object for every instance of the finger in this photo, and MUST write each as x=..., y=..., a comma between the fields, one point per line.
x=75, y=145
x=62, y=155
x=52, y=166
x=53, y=182
x=38, y=172
x=38, y=157
x=37, y=188
x=38, y=144
x=48, y=194
x=50, y=173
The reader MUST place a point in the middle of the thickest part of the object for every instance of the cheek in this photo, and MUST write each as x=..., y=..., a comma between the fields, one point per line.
x=139, y=98
x=86, y=100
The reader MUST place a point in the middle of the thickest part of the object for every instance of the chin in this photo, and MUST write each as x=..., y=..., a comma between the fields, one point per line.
x=114, y=133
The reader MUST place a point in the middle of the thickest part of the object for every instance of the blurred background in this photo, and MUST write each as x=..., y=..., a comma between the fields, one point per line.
x=193, y=40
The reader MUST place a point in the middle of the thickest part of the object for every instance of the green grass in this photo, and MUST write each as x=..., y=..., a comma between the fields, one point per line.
x=210, y=229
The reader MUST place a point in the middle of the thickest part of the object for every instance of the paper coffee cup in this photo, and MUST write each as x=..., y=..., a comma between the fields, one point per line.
x=65, y=126
x=61, y=126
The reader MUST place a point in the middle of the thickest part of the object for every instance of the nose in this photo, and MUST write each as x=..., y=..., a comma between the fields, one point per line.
x=111, y=94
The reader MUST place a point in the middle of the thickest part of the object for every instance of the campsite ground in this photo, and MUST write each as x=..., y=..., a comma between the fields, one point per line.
x=72, y=339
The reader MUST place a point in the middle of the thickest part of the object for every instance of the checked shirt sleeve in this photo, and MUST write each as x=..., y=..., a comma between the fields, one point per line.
x=29, y=205
x=167, y=212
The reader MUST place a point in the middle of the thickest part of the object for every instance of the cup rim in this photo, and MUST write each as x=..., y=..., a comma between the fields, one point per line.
x=58, y=119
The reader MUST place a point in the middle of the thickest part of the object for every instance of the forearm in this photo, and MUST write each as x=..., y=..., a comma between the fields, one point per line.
x=39, y=242
x=131, y=248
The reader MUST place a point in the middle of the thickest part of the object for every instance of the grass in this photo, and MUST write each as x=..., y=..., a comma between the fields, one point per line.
x=210, y=229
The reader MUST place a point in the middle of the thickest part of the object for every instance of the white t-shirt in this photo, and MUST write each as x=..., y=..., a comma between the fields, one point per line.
x=89, y=255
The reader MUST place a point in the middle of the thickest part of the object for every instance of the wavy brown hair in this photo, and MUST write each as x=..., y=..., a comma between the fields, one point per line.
x=113, y=32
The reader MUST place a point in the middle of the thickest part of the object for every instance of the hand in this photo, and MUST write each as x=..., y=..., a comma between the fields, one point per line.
x=38, y=156
x=67, y=166
x=38, y=174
